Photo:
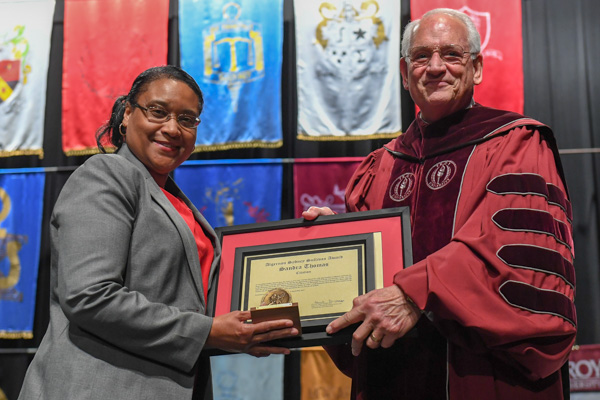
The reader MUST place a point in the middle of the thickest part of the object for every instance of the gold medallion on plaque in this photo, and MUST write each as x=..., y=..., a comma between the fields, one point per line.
x=276, y=296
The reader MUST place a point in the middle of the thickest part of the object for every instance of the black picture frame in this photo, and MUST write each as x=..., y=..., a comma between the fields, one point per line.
x=253, y=240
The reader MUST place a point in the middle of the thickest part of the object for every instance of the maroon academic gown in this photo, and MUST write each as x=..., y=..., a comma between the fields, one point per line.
x=493, y=261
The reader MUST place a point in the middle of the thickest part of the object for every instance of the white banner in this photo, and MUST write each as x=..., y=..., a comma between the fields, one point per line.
x=348, y=67
x=25, y=33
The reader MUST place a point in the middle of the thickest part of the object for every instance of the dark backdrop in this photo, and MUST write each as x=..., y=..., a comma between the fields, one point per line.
x=561, y=47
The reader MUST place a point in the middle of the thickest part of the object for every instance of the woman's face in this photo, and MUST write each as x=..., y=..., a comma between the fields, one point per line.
x=162, y=147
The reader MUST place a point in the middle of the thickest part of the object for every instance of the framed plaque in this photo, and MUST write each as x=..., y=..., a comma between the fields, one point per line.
x=319, y=266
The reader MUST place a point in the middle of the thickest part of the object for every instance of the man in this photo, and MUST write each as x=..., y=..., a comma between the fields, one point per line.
x=487, y=308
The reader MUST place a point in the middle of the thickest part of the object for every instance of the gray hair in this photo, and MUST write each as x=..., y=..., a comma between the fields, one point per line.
x=472, y=35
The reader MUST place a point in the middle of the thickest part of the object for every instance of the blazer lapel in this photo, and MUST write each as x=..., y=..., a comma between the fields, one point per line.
x=208, y=230
x=187, y=237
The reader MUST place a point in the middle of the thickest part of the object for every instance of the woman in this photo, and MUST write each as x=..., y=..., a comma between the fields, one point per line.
x=132, y=259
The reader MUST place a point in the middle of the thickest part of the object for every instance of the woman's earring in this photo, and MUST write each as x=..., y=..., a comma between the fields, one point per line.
x=121, y=129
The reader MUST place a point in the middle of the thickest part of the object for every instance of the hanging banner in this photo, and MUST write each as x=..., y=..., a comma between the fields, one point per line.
x=241, y=376
x=234, y=51
x=96, y=71
x=321, y=182
x=21, y=197
x=584, y=369
x=499, y=25
x=319, y=377
x=25, y=34
x=348, y=68
x=233, y=192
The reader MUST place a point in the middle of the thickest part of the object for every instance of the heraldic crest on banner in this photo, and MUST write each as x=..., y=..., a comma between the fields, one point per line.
x=21, y=196
x=351, y=29
x=483, y=23
x=223, y=199
x=10, y=245
x=347, y=67
x=14, y=69
x=233, y=52
x=350, y=39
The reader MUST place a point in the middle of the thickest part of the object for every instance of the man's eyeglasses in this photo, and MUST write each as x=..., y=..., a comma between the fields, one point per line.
x=450, y=54
x=159, y=115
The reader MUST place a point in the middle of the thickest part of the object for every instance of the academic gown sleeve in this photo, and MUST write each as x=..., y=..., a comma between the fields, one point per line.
x=504, y=285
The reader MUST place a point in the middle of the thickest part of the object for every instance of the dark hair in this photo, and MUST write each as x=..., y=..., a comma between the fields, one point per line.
x=110, y=130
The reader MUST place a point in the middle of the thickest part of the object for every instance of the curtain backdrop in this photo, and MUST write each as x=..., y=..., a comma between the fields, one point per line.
x=561, y=52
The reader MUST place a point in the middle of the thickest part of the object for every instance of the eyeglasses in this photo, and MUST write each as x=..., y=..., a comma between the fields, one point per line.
x=159, y=115
x=451, y=54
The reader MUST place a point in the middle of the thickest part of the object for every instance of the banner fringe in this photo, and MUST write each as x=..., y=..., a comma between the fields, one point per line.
x=244, y=145
x=303, y=136
x=88, y=151
x=32, y=152
x=16, y=335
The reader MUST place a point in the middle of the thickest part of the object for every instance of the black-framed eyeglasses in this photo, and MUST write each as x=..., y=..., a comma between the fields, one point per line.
x=159, y=115
x=420, y=56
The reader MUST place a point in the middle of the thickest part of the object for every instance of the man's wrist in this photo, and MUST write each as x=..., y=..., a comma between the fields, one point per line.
x=412, y=303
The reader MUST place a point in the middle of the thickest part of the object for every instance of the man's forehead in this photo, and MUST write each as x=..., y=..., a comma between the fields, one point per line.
x=440, y=29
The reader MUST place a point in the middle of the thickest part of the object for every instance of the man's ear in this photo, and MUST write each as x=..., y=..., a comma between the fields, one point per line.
x=478, y=69
x=404, y=72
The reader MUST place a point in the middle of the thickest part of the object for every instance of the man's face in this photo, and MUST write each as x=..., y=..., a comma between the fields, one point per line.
x=438, y=88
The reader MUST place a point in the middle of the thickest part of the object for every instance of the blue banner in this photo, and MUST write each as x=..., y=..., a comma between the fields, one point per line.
x=233, y=192
x=234, y=51
x=241, y=376
x=21, y=200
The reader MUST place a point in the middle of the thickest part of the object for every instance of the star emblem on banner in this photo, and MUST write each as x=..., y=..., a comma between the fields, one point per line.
x=360, y=34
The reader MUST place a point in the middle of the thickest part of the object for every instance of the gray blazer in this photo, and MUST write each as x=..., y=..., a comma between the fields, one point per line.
x=126, y=305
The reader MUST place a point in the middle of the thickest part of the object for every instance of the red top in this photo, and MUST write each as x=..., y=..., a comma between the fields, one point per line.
x=203, y=243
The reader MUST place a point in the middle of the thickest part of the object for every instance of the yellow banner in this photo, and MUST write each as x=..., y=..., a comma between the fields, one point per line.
x=319, y=377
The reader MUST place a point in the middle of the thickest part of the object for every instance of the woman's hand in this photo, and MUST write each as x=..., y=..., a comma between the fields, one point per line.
x=230, y=332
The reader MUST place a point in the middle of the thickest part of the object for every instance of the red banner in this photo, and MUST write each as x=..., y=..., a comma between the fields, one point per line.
x=107, y=43
x=584, y=368
x=499, y=25
x=321, y=182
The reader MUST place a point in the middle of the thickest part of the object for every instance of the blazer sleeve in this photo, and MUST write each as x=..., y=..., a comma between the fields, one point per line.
x=101, y=208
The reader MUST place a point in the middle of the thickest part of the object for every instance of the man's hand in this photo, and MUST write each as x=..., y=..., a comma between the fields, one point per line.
x=314, y=212
x=386, y=313
x=230, y=332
